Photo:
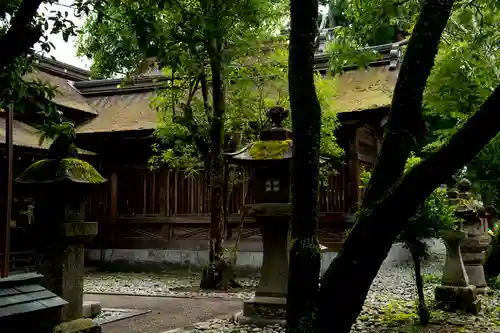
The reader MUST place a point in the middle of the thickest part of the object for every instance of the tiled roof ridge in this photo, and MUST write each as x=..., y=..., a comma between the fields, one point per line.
x=61, y=69
x=391, y=56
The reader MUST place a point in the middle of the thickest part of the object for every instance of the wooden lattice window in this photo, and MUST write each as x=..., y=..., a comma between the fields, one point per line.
x=272, y=185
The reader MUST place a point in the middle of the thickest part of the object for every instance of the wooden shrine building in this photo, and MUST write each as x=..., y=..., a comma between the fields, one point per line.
x=164, y=209
x=27, y=149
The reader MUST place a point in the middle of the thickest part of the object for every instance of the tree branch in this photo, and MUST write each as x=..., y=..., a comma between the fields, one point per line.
x=22, y=35
x=348, y=279
x=378, y=225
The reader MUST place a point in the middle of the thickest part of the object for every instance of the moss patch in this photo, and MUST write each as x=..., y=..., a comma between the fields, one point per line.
x=82, y=325
x=52, y=170
x=264, y=150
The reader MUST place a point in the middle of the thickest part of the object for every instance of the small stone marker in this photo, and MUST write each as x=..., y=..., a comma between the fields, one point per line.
x=91, y=309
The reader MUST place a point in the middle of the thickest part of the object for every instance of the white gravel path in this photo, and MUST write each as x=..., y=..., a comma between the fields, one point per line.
x=390, y=300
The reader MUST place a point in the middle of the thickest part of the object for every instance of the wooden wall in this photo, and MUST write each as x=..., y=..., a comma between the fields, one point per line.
x=169, y=209
x=175, y=193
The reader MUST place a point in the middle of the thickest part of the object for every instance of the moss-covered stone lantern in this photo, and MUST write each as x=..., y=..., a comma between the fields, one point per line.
x=270, y=158
x=59, y=185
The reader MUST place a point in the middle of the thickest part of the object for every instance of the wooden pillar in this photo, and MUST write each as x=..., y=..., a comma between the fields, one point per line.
x=5, y=229
x=145, y=192
x=152, y=193
x=380, y=133
x=114, y=197
x=165, y=232
x=354, y=170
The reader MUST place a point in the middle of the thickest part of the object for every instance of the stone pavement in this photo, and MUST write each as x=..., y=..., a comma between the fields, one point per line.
x=166, y=313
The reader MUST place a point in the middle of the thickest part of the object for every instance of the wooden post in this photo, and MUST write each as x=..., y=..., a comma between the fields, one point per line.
x=176, y=176
x=113, y=209
x=165, y=232
x=152, y=191
x=145, y=192
x=353, y=190
x=8, y=204
x=167, y=194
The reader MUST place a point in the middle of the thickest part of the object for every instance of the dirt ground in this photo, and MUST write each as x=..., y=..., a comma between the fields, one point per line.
x=166, y=313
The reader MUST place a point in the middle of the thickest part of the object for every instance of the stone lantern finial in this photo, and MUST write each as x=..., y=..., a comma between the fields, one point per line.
x=464, y=185
x=277, y=114
x=276, y=132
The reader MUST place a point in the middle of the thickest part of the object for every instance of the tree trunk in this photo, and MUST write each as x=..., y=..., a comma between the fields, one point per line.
x=405, y=126
x=348, y=279
x=416, y=253
x=305, y=255
x=217, y=163
x=22, y=34
x=212, y=276
x=492, y=261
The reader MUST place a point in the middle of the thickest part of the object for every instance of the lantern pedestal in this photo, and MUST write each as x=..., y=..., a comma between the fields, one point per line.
x=473, y=252
x=269, y=304
x=62, y=266
x=455, y=292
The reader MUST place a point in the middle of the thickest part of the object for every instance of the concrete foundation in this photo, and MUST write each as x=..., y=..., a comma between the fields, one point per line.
x=246, y=259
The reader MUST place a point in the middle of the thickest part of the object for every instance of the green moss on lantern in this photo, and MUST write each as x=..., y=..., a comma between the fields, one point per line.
x=52, y=170
x=275, y=149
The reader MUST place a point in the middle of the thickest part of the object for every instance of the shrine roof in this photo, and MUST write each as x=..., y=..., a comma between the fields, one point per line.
x=119, y=107
x=62, y=76
x=25, y=135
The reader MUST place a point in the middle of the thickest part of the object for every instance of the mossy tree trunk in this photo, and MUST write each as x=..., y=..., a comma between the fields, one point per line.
x=348, y=279
x=345, y=284
x=305, y=256
x=417, y=251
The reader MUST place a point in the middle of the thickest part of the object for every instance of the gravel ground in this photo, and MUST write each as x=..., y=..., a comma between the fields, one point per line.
x=165, y=313
x=389, y=304
x=108, y=314
x=155, y=284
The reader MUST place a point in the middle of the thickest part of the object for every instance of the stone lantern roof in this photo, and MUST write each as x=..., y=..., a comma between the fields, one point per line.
x=62, y=165
x=275, y=144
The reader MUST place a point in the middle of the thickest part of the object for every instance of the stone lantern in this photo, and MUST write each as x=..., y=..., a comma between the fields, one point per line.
x=270, y=158
x=59, y=185
x=475, y=224
x=463, y=275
